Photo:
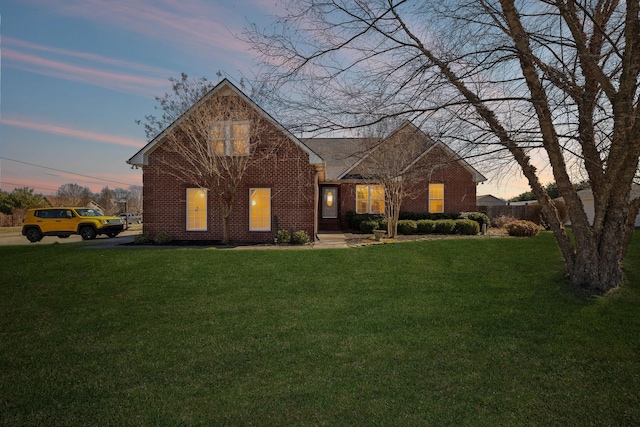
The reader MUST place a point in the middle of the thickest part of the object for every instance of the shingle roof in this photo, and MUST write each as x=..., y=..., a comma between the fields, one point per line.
x=339, y=154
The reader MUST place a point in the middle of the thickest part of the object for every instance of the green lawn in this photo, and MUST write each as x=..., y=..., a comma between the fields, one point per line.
x=442, y=332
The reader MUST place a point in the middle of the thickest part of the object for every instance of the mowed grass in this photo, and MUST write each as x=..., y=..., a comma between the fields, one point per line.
x=444, y=332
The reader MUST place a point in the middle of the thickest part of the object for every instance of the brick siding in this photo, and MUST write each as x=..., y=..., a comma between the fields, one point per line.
x=459, y=188
x=287, y=173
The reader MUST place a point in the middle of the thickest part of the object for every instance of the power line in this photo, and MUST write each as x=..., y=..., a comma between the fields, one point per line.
x=63, y=171
x=29, y=186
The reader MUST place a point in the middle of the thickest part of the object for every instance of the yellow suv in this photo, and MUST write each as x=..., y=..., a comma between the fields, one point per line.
x=63, y=222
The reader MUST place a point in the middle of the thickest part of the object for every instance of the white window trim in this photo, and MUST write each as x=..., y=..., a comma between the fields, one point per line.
x=368, y=198
x=250, y=210
x=228, y=141
x=436, y=198
x=206, y=210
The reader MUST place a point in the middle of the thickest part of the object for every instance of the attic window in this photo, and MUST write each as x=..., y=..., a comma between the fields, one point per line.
x=229, y=139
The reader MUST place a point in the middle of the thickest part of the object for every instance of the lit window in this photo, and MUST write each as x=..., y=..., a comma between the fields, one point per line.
x=436, y=198
x=229, y=139
x=196, y=209
x=260, y=209
x=369, y=199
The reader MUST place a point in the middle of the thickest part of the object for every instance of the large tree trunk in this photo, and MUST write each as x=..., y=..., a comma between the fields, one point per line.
x=600, y=248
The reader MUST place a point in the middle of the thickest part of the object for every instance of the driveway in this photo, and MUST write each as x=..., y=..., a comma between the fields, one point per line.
x=16, y=238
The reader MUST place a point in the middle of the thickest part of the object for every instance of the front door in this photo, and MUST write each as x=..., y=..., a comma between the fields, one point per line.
x=330, y=202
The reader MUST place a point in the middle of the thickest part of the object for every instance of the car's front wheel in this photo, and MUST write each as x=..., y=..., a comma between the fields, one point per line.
x=88, y=233
x=112, y=235
x=33, y=235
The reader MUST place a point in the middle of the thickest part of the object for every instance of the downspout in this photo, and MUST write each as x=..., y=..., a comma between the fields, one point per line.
x=316, y=195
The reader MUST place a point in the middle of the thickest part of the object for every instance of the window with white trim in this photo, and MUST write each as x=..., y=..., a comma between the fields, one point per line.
x=229, y=139
x=260, y=209
x=369, y=199
x=196, y=209
x=436, y=198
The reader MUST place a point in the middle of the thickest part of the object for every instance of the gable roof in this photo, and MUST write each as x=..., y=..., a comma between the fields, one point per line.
x=340, y=154
x=343, y=156
x=141, y=158
x=489, y=199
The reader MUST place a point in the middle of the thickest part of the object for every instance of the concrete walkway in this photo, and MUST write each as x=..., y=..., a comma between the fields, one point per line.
x=328, y=240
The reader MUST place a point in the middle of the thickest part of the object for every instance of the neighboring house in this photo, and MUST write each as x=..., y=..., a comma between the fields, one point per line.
x=489, y=200
x=306, y=184
x=589, y=207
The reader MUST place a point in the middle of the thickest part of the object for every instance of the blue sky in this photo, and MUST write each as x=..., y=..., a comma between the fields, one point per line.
x=76, y=74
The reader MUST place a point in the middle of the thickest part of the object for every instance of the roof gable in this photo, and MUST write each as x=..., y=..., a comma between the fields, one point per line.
x=142, y=156
x=347, y=157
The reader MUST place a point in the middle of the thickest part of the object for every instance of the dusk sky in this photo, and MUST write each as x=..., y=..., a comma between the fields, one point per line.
x=76, y=74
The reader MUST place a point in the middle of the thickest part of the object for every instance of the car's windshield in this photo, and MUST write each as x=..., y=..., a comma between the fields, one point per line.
x=88, y=212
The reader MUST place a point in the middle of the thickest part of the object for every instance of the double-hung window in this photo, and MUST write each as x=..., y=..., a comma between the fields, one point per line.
x=436, y=198
x=229, y=139
x=196, y=209
x=369, y=199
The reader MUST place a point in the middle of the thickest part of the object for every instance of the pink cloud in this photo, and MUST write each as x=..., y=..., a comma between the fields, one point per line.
x=73, y=133
x=157, y=71
x=203, y=28
x=142, y=85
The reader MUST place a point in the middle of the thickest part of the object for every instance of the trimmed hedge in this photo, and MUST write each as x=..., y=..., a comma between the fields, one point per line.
x=355, y=220
x=407, y=226
x=467, y=227
x=445, y=226
x=478, y=217
x=368, y=225
x=442, y=226
x=426, y=226
x=417, y=216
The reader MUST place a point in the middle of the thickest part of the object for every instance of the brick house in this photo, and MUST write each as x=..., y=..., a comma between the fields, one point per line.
x=286, y=182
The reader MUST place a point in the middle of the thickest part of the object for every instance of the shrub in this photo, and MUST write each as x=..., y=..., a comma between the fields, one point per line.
x=407, y=226
x=163, y=238
x=522, y=228
x=468, y=227
x=355, y=219
x=369, y=225
x=300, y=238
x=478, y=217
x=501, y=220
x=426, y=226
x=417, y=216
x=283, y=236
x=445, y=226
x=141, y=239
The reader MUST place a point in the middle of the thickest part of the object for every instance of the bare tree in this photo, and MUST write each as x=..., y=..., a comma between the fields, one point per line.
x=389, y=160
x=184, y=93
x=214, y=144
x=107, y=200
x=135, y=198
x=73, y=195
x=540, y=85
